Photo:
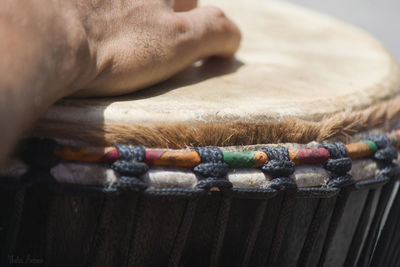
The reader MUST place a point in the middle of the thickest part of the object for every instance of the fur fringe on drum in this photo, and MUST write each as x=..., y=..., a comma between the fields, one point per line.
x=338, y=127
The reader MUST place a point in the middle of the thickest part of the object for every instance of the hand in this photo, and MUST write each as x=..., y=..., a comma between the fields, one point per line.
x=55, y=48
x=136, y=43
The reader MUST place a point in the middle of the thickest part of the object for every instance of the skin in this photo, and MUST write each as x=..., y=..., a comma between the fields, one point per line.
x=56, y=48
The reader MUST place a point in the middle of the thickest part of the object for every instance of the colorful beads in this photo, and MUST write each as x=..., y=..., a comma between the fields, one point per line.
x=87, y=154
x=394, y=138
x=372, y=146
x=260, y=158
x=359, y=149
x=245, y=159
x=172, y=158
x=397, y=134
x=111, y=155
x=249, y=159
x=309, y=156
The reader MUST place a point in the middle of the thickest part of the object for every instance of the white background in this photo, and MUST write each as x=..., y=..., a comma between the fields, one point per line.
x=381, y=18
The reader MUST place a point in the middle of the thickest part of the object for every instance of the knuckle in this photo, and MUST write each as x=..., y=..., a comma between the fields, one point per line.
x=183, y=30
x=181, y=26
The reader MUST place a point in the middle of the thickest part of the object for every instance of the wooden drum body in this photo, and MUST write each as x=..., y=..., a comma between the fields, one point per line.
x=283, y=156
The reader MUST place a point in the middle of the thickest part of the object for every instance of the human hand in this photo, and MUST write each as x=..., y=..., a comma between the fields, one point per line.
x=130, y=44
x=56, y=48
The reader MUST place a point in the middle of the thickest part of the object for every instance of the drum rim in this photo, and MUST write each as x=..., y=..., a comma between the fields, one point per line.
x=216, y=167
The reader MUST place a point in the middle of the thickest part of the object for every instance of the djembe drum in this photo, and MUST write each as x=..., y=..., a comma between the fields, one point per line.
x=284, y=156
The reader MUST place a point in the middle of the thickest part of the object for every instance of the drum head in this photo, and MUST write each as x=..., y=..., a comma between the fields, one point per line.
x=293, y=64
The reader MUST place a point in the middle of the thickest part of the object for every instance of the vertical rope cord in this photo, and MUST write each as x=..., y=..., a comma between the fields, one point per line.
x=335, y=219
x=15, y=221
x=283, y=221
x=137, y=221
x=358, y=236
x=372, y=236
x=222, y=221
x=183, y=233
x=130, y=200
x=394, y=252
x=253, y=233
x=104, y=224
x=396, y=259
x=51, y=224
x=321, y=212
x=389, y=240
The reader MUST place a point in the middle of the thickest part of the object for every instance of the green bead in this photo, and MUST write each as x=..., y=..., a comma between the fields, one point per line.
x=239, y=159
x=394, y=139
x=372, y=146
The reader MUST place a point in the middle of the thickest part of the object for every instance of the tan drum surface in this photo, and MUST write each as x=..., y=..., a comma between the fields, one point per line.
x=299, y=76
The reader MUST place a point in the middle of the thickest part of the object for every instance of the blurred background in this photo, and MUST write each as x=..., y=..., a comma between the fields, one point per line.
x=379, y=17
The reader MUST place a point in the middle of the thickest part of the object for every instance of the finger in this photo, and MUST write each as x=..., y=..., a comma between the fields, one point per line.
x=210, y=33
x=184, y=5
x=187, y=36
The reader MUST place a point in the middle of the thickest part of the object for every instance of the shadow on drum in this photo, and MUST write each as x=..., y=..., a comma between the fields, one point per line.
x=196, y=73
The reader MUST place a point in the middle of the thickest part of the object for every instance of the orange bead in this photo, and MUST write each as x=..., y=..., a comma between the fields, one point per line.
x=358, y=150
x=178, y=158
